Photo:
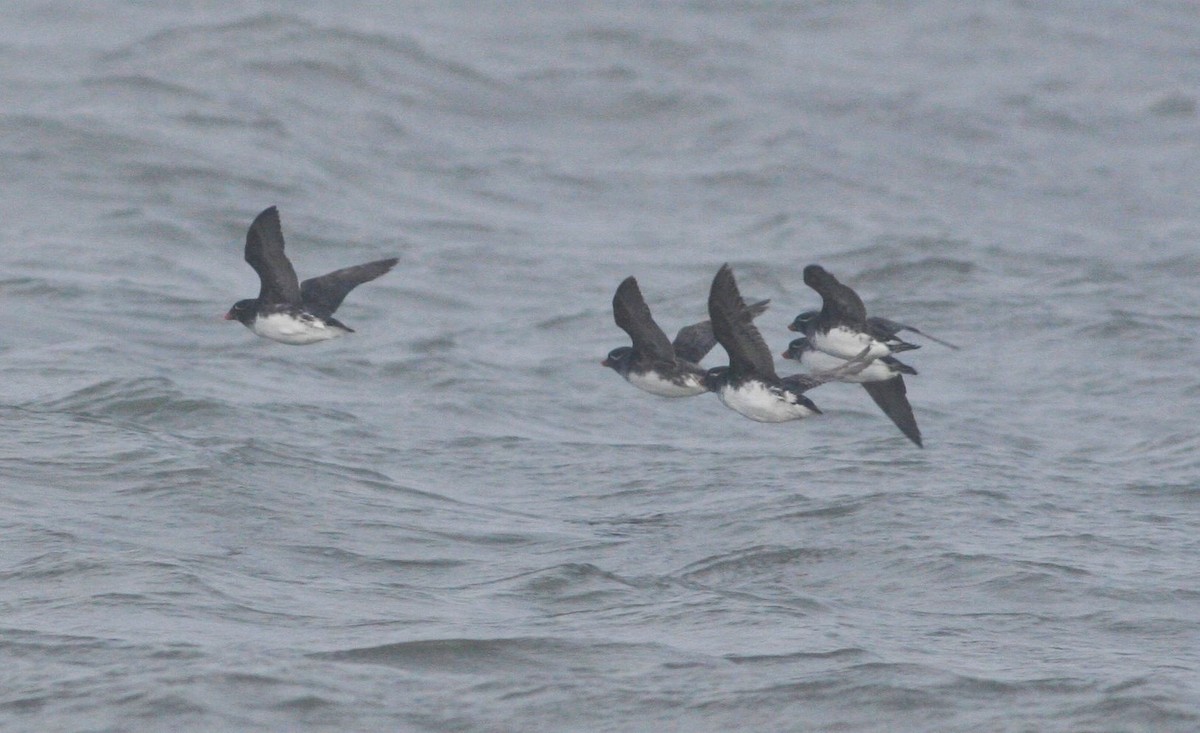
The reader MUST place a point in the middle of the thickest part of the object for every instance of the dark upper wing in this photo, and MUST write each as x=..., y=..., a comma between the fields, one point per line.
x=838, y=302
x=799, y=383
x=633, y=316
x=264, y=252
x=891, y=396
x=898, y=365
x=891, y=328
x=884, y=328
x=322, y=295
x=695, y=341
x=734, y=328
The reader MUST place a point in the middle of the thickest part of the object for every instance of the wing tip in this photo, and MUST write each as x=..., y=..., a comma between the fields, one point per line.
x=723, y=282
x=271, y=212
x=814, y=273
x=890, y=395
x=628, y=295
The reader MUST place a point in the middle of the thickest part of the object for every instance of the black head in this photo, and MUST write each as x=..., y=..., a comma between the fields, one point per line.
x=716, y=378
x=243, y=311
x=796, y=348
x=618, y=359
x=801, y=321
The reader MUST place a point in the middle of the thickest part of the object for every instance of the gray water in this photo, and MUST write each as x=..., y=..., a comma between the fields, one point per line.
x=455, y=519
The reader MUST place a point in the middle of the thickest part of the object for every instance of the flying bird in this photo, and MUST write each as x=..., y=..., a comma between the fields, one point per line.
x=749, y=385
x=652, y=363
x=880, y=328
x=882, y=379
x=841, y=327
x=289, y=311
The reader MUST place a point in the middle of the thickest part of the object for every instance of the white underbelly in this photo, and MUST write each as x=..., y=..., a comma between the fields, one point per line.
x=847, y=343
x=818, y=361
x=288, y=329
x=758, y=402
x=654, y=384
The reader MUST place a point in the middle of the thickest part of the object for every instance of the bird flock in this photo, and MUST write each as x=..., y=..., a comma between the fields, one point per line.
x=840, y=343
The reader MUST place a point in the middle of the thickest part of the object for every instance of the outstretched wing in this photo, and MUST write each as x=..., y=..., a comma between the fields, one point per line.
x=892, y=397
x=695, y=341
x=886, y=328
x=264, y=252
x=839, y=303
x=633, y=317
x=322, y=295
x=734, y=329
x=802, y=382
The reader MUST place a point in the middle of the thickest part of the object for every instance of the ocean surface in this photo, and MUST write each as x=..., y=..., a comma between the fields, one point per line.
x=455, y=519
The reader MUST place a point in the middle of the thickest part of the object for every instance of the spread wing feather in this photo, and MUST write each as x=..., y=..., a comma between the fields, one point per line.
x=839, y=303
x=322, y=295
x=633, y=317
x=735, y=330
x=264, y=252
x=695, y=341
x=892, y=397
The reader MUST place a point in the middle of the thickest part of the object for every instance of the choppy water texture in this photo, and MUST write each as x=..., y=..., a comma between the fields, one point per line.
x=455, y=519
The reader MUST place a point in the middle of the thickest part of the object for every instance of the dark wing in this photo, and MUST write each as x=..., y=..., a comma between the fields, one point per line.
x=891, y=396
x=734, y=329
x=838, y=302
x=633, y=316
x=884, y=328
x=891, y=328
x=322, y=295
x=898, y=365
x=695, y=341
x=264, y=252
x=799, y=383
